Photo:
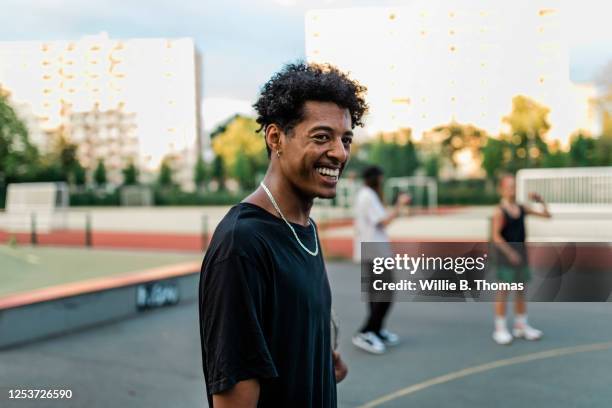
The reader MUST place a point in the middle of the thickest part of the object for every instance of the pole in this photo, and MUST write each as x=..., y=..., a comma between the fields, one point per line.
x=88, y=234
x=33, y=235
x=204, y=232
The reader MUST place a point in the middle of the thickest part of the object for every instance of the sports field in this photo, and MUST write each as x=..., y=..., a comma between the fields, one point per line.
x=24, y=268
x=447, y=358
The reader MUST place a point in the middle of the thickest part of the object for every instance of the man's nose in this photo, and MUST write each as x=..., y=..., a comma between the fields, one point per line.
x=338, y=151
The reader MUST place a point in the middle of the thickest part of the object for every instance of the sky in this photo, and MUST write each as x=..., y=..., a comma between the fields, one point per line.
x=244, y=41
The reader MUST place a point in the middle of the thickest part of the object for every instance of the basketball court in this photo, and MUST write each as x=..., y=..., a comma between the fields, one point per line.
x=447, y=358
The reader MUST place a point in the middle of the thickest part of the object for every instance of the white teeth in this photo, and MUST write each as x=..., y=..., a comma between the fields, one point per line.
x=328, y=172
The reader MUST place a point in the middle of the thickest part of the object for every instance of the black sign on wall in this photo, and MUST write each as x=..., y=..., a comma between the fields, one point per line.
x=157, y=294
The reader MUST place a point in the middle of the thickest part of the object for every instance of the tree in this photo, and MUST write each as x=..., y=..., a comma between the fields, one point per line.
x=239, y=135
x=100, y=174
x=582, y=150
x=492, y=160
x=222, y=127
x=393, y=154
x=409, y=160
x=165, y=178
x=603, y=150
x=243, y=170
x=432, y=166
x=376, y=153
x=199, y=173
x=17, y=154
x=67, y=155
x=359, y=159
x=64, y=156
x=218, y=171
x=555, y=157
x=528, y=122
x=457, y=136
x=606, y=120
x=78, y=174
x=452, y=141
x=130, y=174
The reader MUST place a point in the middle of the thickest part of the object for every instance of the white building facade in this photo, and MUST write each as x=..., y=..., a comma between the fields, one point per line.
x=153, y=82
x=435, y=61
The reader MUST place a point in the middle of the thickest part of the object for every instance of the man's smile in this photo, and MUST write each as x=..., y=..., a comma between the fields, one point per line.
x=329, y=174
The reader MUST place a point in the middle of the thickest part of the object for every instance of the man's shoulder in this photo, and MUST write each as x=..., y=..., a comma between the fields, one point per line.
x=243, y=219
x=237, y=233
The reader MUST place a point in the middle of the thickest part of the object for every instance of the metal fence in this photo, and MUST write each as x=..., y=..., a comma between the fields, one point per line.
x=583, y=189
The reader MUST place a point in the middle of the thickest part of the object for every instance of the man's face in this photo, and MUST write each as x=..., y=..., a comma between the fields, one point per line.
x=315, y=153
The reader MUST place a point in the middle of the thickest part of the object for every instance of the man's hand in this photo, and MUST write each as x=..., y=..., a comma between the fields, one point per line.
x=340, y=369
x=514, y=258
x=536, y=197
x=403, y=200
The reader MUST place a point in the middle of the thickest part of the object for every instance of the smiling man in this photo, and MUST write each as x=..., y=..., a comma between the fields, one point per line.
x=265, y=300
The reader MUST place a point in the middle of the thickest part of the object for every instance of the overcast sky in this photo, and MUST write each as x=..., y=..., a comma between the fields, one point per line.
x=245, y=41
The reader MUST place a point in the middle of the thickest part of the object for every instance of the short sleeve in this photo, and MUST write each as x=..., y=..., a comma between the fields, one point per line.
x=374, y=210
x=231, y=318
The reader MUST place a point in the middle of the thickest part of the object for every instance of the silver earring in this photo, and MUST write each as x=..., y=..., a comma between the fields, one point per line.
x=278, y=153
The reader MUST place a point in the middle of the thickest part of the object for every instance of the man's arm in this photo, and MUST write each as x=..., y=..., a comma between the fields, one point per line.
x=233, y=345
x=245, y=394
x=538, y=199
x=402, y=201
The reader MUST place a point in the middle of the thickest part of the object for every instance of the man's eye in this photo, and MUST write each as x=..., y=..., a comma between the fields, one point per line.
x=347, y=140
x=321, y=137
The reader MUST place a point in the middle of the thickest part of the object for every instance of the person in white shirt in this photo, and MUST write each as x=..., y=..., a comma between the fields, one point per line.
x=371, y=220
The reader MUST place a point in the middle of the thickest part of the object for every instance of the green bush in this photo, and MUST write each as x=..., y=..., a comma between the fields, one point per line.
x=176, y=197
x=465, y=192
x=94, y=198
x=161, y=196
x=455, y=192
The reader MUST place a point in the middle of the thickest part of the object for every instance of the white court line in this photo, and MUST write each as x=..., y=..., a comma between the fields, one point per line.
x=486, y=367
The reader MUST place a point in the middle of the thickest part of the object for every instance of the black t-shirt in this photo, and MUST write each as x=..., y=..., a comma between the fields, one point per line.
x=265, y=307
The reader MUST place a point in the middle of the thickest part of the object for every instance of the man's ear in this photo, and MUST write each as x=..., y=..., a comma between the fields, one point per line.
x=273, y=138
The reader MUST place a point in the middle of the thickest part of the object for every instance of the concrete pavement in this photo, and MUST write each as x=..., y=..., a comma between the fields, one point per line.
x=154, y=360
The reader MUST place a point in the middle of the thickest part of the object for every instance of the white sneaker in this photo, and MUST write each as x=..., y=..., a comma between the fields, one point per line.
x=527, y=332
x=369, y=342
x=502, y=337
x=388, y=338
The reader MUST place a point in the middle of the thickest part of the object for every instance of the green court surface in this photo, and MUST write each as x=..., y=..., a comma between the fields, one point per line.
x=26, y=268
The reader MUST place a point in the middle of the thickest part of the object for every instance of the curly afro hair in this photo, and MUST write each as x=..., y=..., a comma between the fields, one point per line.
x=282, y=98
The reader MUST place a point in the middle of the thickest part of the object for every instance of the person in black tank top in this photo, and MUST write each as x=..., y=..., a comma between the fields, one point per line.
x=513, y=232
x=509, y=234
x=514, y=227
